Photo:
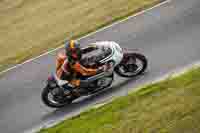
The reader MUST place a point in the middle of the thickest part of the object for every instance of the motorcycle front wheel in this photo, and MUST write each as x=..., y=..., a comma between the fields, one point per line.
x=132, y=65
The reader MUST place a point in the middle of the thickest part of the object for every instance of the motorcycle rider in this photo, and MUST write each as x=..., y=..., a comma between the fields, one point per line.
x=69, y=68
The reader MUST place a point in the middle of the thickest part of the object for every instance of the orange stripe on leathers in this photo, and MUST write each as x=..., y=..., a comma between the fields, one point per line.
x=84, y=71
x=59, y=62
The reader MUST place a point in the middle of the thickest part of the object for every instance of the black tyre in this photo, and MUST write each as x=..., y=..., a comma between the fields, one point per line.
x=136, y=70
x=52, y=102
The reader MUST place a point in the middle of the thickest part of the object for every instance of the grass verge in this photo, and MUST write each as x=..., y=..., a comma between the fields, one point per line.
x=29, y=28
x=170, y=106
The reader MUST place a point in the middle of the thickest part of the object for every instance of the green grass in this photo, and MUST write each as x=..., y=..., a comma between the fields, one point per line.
x=170, y=106
x=31, y=27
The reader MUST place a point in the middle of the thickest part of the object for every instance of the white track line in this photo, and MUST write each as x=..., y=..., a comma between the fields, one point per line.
x=106, y=27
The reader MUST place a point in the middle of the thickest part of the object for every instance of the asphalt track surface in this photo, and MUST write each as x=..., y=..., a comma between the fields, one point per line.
x=168, y=35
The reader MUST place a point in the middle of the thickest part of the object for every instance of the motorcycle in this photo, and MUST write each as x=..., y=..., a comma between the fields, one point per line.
x=124, y=62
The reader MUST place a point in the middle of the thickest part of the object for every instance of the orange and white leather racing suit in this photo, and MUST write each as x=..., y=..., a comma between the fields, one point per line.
x=69, y=71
